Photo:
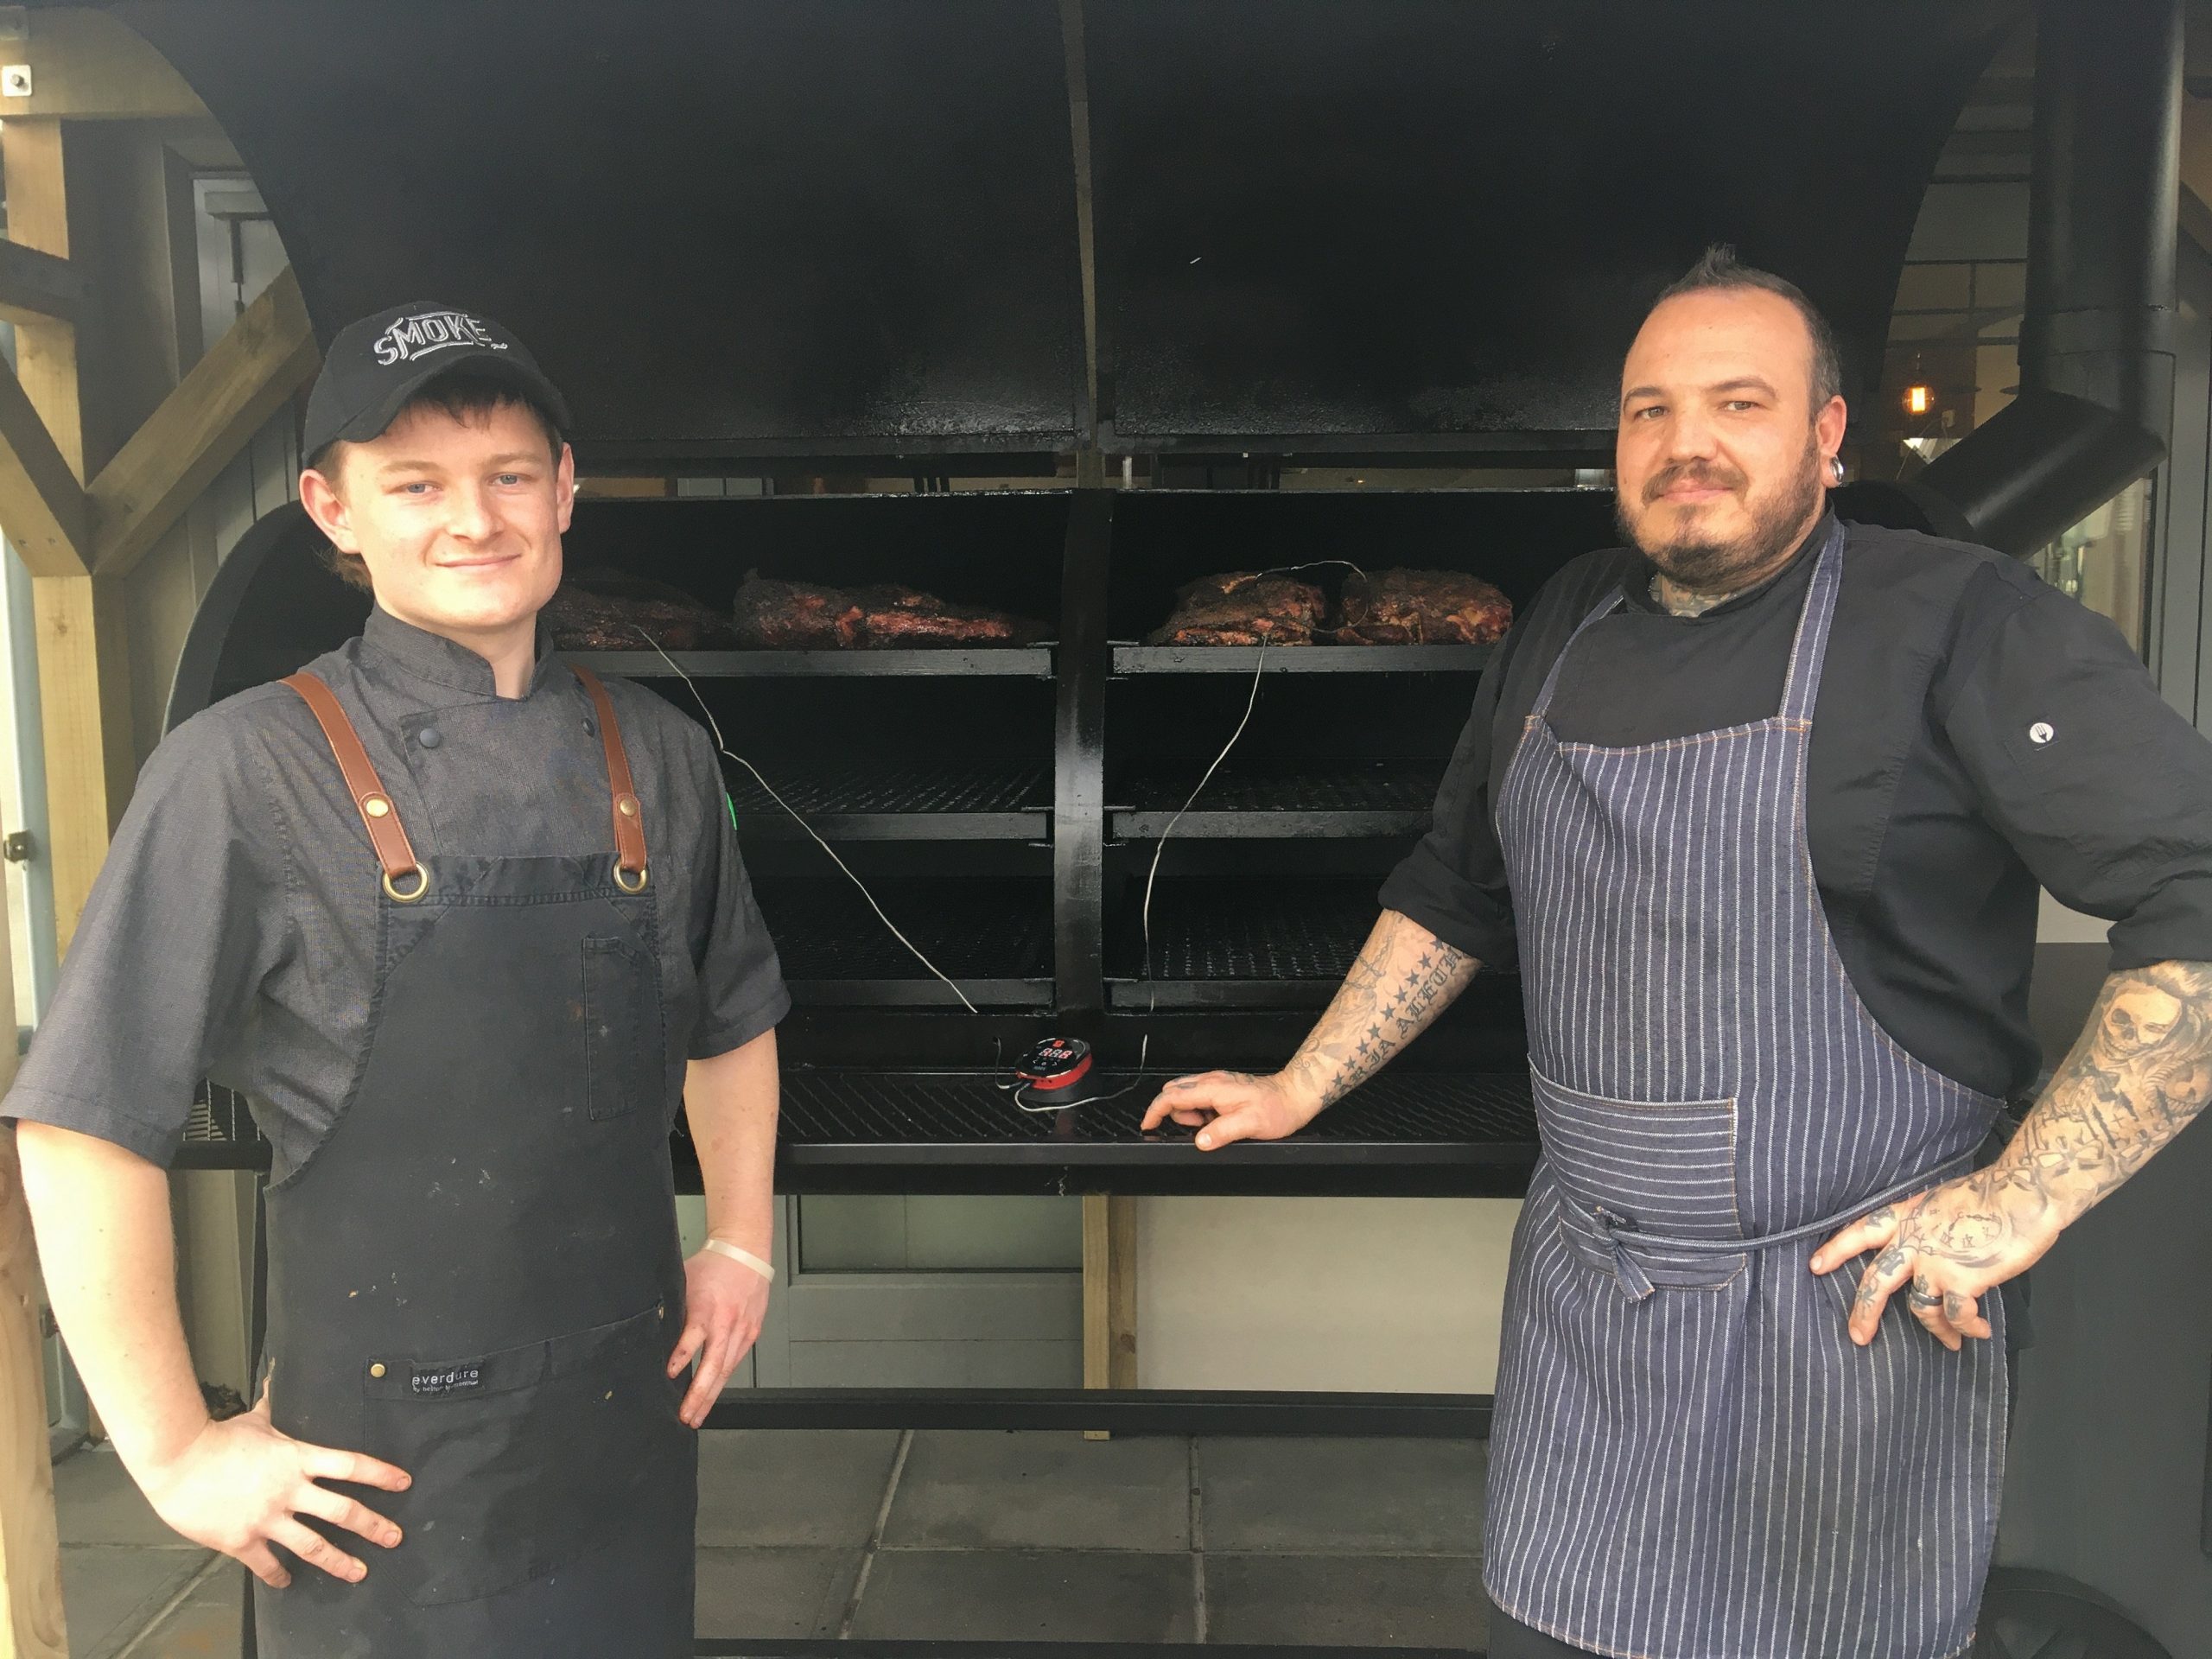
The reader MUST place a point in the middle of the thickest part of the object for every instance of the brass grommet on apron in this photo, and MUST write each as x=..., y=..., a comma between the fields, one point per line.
x=622, y=880
x=422, y=886
x=376, y=1370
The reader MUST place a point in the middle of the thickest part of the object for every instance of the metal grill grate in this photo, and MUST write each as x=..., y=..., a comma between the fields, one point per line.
x=985, y=929
x=884, y=786
x=1315, y=786
x=828, y=1108
x=1256, y=930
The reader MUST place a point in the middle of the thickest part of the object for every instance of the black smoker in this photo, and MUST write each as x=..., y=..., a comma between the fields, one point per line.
x=1233, y=237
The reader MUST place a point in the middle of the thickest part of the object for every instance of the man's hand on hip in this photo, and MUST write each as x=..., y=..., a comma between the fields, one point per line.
x=2140, y=1073
x=1946, y=1249
x=242, y=1484
x=724, y=1302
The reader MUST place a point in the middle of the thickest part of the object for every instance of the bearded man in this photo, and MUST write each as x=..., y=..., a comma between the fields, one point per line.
x=1760, y=805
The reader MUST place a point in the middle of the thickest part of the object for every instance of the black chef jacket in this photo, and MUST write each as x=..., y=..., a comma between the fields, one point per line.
x=1978, y=733
x=233, y=931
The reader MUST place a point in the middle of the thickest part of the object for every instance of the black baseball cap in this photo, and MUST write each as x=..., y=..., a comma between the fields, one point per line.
x=376, y=365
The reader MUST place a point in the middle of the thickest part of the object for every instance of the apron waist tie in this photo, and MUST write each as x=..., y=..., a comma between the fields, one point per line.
x=1618, y=1234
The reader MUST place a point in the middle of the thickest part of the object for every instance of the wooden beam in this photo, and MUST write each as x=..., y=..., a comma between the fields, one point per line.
x=1110, y=1295
x=33, y=157
x=207, y=418
x=35, y=286
x=85, y=706
x=267, y=354
x=86, y=66
x=42, y=507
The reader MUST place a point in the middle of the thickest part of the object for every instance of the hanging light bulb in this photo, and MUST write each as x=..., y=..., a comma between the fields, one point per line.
x=1918, y=399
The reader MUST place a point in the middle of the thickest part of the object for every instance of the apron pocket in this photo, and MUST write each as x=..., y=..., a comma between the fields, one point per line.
x=622, y=1037
x=1635, y=1176
x=525, y=1459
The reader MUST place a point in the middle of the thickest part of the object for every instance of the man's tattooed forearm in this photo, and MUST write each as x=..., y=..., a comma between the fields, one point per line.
x=2140, y=1072
x=1403, y=979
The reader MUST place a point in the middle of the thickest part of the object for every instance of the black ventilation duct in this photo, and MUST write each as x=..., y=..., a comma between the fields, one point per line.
x=2095, y=402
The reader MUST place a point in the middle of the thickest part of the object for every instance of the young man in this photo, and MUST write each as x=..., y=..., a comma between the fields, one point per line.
x=1761, y=803
x=467, y=924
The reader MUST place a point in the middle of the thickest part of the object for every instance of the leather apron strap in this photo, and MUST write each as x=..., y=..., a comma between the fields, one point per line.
x=397, y=855
x=630, y=869
x=387, y=834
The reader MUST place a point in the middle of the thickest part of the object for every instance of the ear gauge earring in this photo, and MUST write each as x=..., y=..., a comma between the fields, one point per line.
x=1835, y=468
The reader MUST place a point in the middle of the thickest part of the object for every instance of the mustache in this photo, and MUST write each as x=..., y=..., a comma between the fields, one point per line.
x=1704, y=474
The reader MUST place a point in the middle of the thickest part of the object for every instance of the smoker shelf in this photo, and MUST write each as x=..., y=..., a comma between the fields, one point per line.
x=1404, y=1133
x=890, y=800
x=850, y=1118
x=1321, y=797
x=1129, y=659
x=1022, y=662
x=995, y=937
x=1229, y=943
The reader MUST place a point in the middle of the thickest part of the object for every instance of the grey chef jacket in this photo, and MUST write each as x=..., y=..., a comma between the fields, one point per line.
x=233, y=931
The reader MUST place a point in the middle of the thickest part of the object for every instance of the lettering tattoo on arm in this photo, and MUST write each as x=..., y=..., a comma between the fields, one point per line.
x=2138, y=1075
x=1404, y=977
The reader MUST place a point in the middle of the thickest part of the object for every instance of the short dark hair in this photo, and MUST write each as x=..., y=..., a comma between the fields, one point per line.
x=463, y=396
x=1719, y=269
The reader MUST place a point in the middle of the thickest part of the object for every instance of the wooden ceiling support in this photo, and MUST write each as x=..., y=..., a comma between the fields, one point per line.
x=42, y=507
x=88, y=66
x=35, y=286
x=266, y=356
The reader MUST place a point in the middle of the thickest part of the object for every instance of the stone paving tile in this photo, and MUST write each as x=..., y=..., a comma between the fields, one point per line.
x=95, y=1502
x=1027, y=1595
x=774, y=1592
x=1342, y=1496
x=1420, y=1601
x=792, y=1488
x=985, y=1490
x=110, y=1592
x=205, y=1625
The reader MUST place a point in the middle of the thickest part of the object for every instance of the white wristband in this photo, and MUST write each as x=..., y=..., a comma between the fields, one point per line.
x=724, y=1247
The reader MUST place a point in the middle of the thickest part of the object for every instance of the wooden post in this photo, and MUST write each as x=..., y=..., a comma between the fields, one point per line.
x=83, y=665
x=1109, y=1294
x=31, y=1552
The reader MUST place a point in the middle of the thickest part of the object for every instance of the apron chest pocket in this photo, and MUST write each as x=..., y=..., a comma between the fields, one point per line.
x=622, y=1034
x=528, y=1458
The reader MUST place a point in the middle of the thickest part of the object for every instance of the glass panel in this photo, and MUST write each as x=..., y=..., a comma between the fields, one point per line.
x=2102, y=560
x=940, y=1234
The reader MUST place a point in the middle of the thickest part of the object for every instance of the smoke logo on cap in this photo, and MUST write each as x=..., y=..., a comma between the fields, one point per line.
x=431, y=331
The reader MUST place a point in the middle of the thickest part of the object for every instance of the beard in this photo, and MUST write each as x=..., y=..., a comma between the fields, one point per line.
x=1707, y=563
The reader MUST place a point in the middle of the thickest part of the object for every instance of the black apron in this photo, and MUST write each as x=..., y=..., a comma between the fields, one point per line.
x=476, y=1276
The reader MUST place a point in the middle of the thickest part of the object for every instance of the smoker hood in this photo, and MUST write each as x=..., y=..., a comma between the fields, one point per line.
x=824, y=226
x=723, y=228
x=1319, y=220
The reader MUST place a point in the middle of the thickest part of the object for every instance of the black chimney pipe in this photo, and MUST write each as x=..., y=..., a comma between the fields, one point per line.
x=2095, y=404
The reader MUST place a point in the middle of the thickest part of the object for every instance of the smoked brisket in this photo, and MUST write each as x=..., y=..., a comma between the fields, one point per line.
x=1239, y=608
x=808, y=616
x=612, y=610
x=1421, y=607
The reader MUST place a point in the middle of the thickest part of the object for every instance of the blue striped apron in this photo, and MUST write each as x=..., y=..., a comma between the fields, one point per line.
x=1690, y=1459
